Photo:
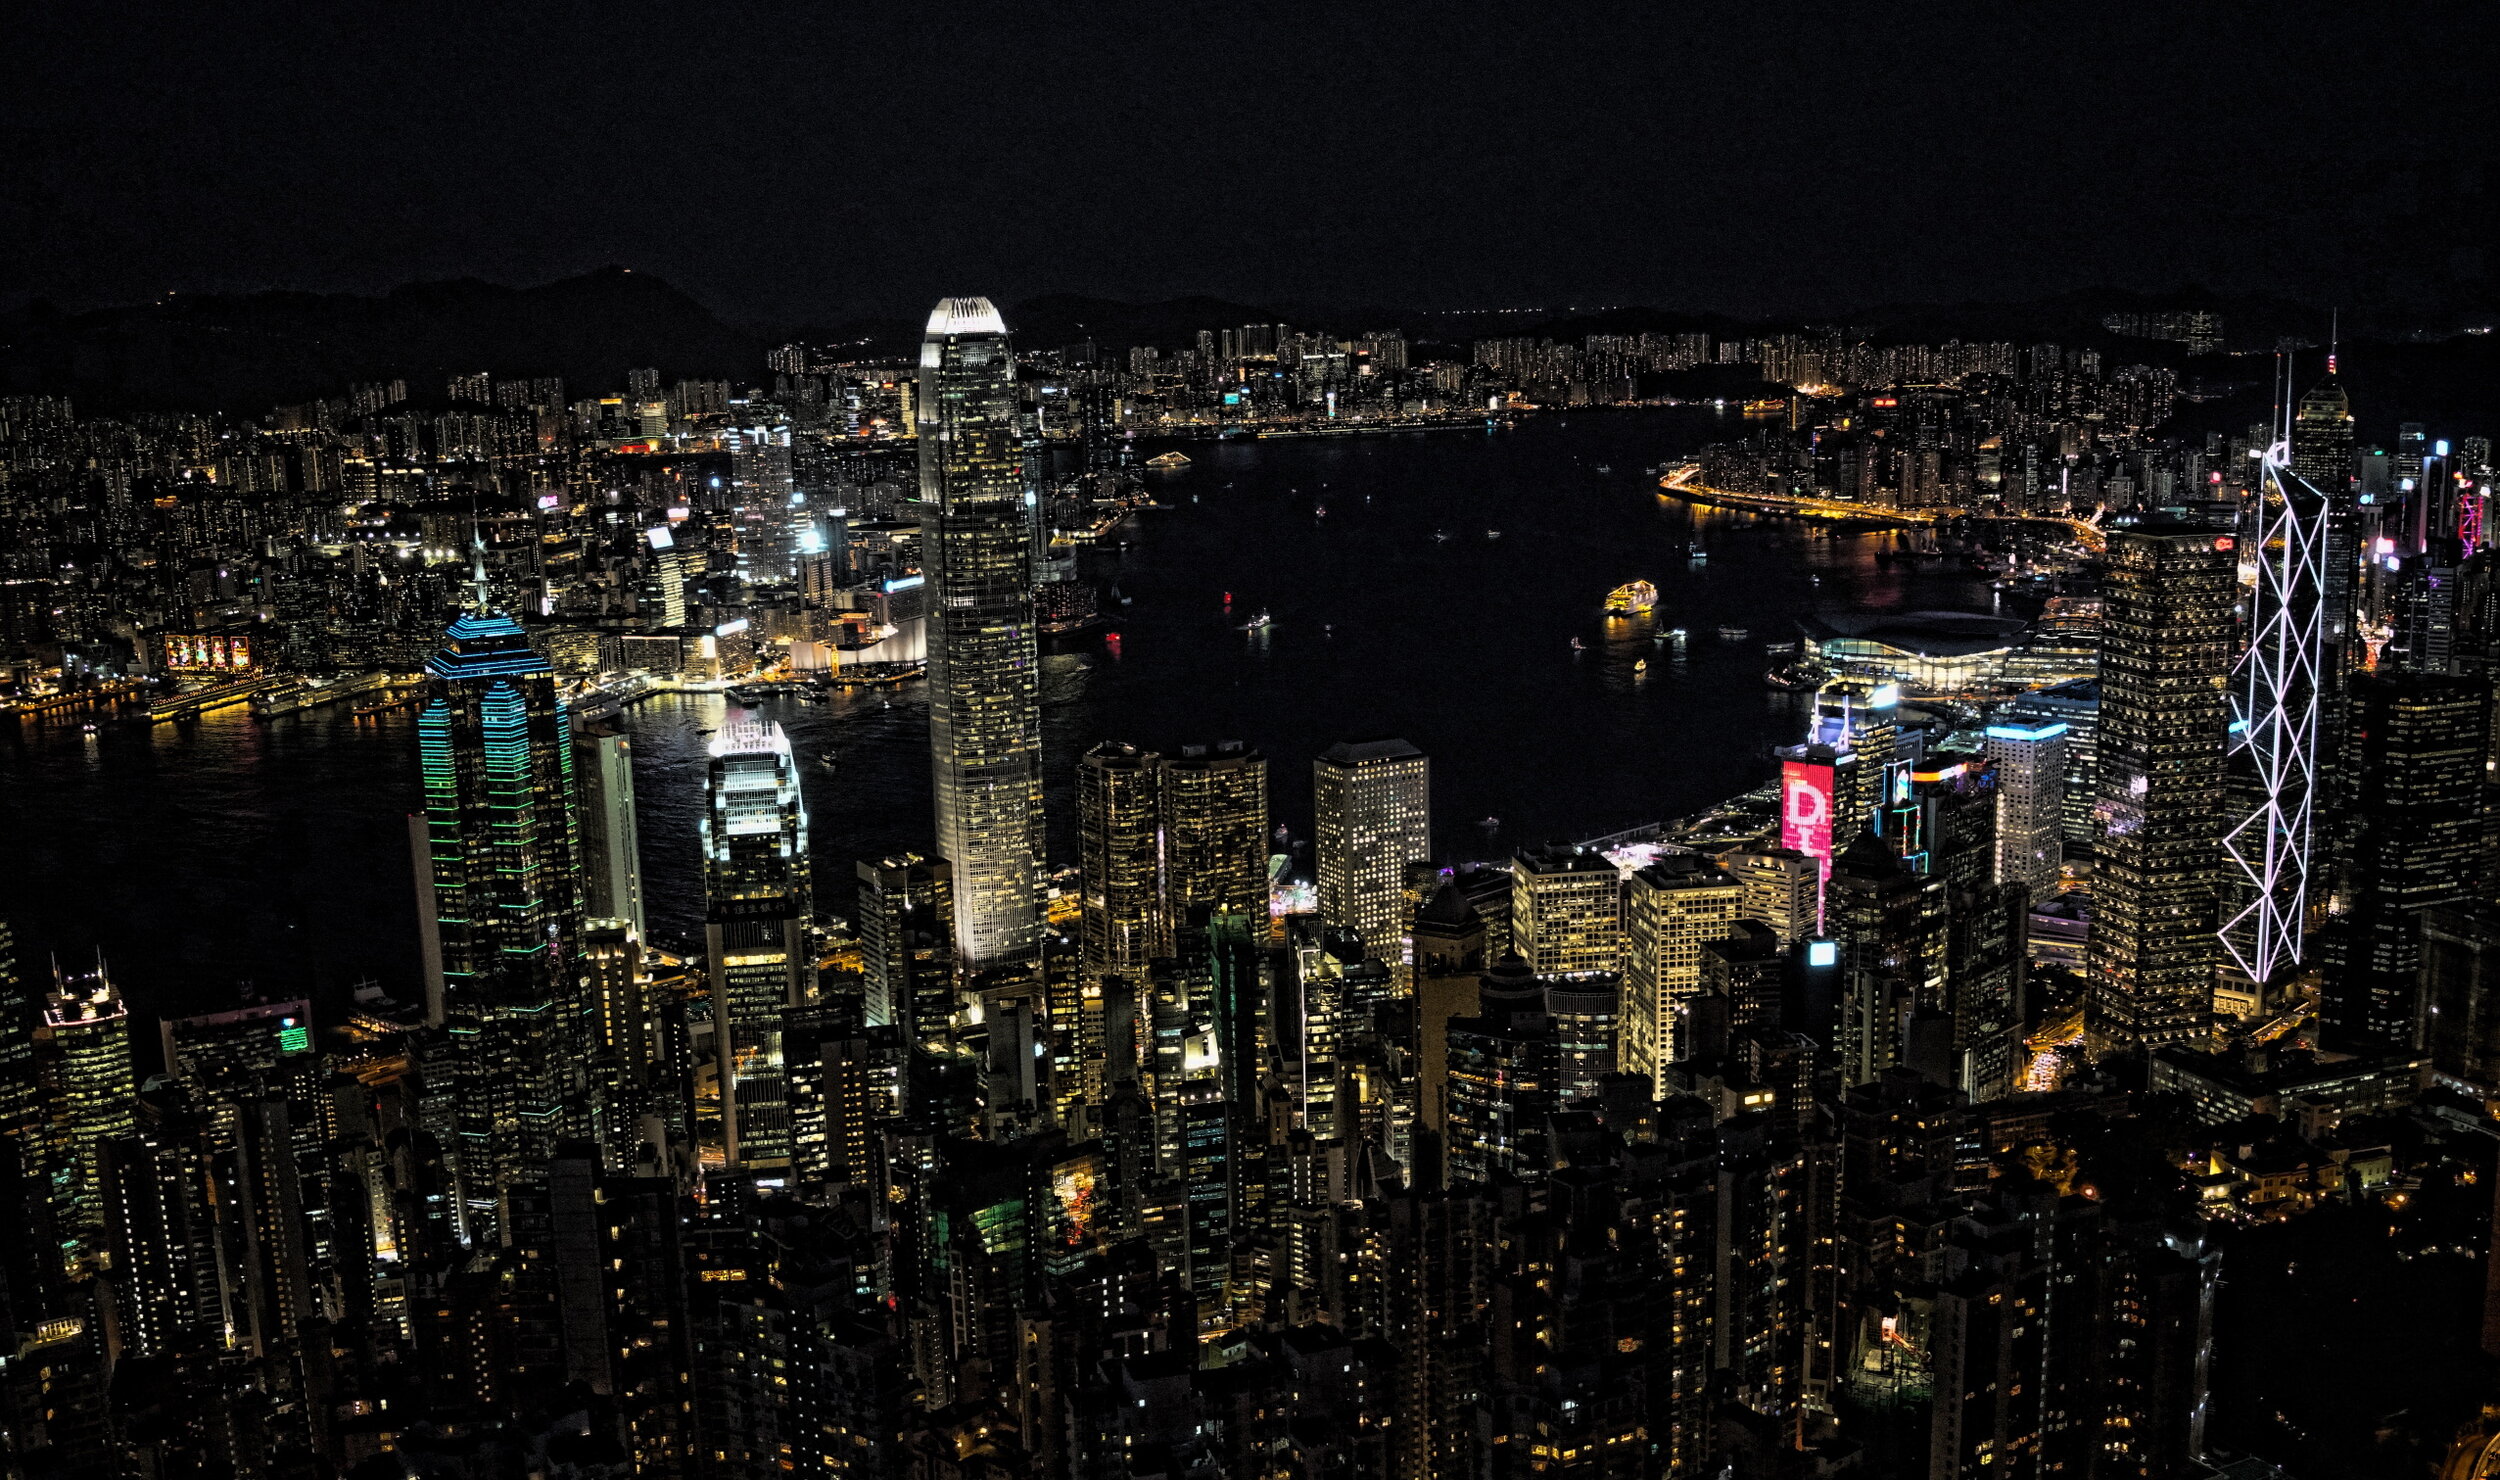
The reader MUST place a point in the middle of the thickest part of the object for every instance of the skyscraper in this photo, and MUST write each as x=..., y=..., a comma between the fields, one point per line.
x=758, y=900
x=985, y=730
x=1162, y=839
x=2420, y=742
x=611, y=842
x=2165, y=656
x=500, y=905
x=1214, y=831
x=1566, y=912
x=1120, y=861
x=90, y=1029
x=1670, y=910
x=1372, y=810
x=2274, y=741
x=2030, y=762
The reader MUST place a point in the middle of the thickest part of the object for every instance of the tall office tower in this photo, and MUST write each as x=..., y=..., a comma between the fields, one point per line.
x=2076, y=705
x=1819, y=787
x=758, y=900
x=666, y=570
x=1505, y=1071
x=1861, y=718
x=767, y=528
x=99, y=1095
x=907, y=946
x=1670, y=910
x=1587, y=1012
x=2420, y=742
x=1879, y=913
x=2030, y=762
x=611, y=843
x=1214, y=832
x=1372, y=809
x=499, y=896
x=21, y=1076
x=2322, y=458
x=1781, y=889
x=2274, y=756
x=2165, y=656
x=1120, y=861
x=985, y=717
x=1566, y=910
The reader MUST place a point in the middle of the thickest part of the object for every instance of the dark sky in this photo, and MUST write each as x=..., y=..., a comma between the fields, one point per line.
x=794, y=162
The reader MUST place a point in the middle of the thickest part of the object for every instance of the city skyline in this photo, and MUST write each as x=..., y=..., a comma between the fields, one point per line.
x=1148, y=1104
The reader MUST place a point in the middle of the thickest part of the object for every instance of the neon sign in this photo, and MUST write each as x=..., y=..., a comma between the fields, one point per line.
x=1806, y=809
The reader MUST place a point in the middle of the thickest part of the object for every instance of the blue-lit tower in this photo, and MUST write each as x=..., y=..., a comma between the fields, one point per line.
x=500, y=902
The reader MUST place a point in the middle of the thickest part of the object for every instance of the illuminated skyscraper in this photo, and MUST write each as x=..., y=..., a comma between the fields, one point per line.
x=758, y=900
x=2030, y=762
x=985, y=729
x=1372, y=808
x=2165, y=658
x=611, y=843
x=1120, y=861
x=759, y=467
x=500, y=906
x=1781, y=887
x=1214, y=831
x=2274, y=735
x=2420, y=742
x=1670, y=910
x=21, y=1080
x=99, y=1099
x=1566, y=913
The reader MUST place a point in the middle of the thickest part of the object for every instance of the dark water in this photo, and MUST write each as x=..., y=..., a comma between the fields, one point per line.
x=238, y=849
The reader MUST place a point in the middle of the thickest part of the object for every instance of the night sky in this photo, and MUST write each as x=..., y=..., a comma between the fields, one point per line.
x=794, y=163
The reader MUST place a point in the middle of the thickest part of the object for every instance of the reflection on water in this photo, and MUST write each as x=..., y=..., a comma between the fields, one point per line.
x=275, y=851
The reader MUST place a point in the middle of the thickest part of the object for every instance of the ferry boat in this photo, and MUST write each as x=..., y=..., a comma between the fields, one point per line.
x=1169, y=462
x=1733, y=634
x=1259, y=623
x=1631, y=599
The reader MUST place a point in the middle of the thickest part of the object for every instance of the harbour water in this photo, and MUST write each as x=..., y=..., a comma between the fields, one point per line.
x=1428, y=586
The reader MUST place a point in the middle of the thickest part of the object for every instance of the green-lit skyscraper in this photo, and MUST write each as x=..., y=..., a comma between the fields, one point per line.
x=500, y=904
x=757, y=902
x=985, y=719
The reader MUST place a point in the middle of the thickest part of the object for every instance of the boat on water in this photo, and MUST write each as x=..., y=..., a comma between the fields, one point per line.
x=1733, y=634
x=1640, y=666
x=1601, y=467
x=1492, y=534
x=1578, y=646
x=1490, y=824
x=1697, y=555
x=1169, y=462
x=1631, y=599
x=1259, y=623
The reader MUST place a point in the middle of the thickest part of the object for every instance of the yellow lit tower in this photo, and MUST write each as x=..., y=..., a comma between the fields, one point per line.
x=89, y=1028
